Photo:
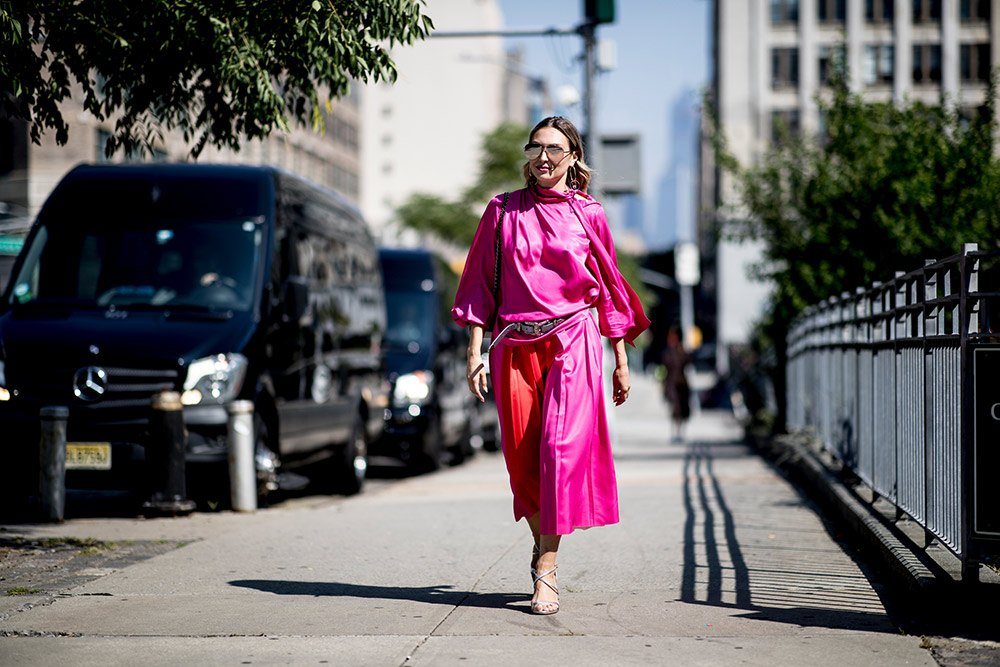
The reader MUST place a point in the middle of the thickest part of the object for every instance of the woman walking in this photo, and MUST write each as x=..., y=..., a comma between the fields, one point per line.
x=675, y=385
x=556, y=262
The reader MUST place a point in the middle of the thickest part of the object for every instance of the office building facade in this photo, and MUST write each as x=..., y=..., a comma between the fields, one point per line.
x=773, y=59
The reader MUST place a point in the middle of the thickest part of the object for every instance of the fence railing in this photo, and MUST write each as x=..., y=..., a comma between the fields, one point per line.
x=897, y=381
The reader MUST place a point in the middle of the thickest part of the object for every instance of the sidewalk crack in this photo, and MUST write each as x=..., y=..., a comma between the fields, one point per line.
x=467, y=595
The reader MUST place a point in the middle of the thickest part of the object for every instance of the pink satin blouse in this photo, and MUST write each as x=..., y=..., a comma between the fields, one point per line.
x=558, y=258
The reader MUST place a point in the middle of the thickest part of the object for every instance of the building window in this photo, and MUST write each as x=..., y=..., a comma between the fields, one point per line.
x=926, y=63
x=832, y=11
x=877, y=66
x=784, y=68
x=829, y=58
x=975, y=62
x=784, y=121
x=926, y=11
x=784, y=11
x=974, y=10
x=879, y=11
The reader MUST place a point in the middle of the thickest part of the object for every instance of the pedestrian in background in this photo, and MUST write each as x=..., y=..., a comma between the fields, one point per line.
x=675, y=384
x=556, y=262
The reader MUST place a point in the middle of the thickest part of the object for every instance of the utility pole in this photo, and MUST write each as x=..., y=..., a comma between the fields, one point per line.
x=595, y=12
x=591, y=139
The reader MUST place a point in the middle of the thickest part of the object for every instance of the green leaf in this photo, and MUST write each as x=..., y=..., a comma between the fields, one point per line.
x=209, y=70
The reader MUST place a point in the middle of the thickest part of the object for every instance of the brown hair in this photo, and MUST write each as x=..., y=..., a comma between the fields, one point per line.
x=579, y=172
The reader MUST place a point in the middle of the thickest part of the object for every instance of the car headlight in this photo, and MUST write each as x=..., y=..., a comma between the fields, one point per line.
x=215, y=379
x=413, y=388
x=4, y=392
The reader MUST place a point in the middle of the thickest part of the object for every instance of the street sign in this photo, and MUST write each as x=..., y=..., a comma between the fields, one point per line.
x=621, y=165
x=687, y=269
x=986, y=436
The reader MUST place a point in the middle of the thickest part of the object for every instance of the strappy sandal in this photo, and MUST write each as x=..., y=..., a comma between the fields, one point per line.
x=537, y=607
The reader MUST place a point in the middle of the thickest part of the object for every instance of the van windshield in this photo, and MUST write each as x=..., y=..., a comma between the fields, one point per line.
x=409, y=320
x=196, y=265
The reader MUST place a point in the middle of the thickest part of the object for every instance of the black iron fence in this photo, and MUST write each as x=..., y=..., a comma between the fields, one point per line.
x=901, y=382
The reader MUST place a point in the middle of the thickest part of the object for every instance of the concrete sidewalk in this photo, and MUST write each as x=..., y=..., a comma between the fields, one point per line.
x=717, y=561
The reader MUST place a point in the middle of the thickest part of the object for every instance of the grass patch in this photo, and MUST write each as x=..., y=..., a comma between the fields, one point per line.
x=86, y=546
x=24, y=591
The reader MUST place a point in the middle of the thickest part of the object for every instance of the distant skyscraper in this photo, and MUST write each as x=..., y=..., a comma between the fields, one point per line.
x=674, y=215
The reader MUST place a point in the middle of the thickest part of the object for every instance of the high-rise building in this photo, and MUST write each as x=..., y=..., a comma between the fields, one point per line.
x=423, y=133
x=771, y=61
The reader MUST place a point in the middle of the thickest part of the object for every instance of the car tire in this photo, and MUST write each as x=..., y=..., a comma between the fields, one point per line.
x=463, y=449
x=351, y=461
x=432, y=446
x=266, y=461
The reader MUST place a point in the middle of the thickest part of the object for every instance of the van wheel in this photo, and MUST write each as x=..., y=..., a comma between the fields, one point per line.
x=470, y=441
x=266, y=460
x=351, y=463
x=428, y=456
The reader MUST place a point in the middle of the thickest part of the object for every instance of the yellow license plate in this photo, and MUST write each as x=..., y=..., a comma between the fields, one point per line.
x=88, y=456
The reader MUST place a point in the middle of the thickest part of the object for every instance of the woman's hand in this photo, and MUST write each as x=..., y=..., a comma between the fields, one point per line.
x=475, y=370
x=620, y=383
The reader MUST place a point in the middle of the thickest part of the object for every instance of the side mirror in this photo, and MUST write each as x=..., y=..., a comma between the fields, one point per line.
x=294, y=299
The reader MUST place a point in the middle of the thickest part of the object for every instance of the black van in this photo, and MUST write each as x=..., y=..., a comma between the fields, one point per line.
x=218, y=282
x=433, y=417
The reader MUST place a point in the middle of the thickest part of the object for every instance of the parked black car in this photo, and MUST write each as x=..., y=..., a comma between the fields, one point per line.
x=432, y=418
x=219, y=282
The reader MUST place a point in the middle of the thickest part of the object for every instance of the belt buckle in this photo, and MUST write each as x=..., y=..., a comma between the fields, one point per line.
x=536, y=329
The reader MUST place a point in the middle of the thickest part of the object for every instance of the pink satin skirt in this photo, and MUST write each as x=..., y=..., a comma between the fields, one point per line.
x=555, y=435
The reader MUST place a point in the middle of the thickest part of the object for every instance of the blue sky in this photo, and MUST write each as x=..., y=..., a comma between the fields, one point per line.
x=662, y=52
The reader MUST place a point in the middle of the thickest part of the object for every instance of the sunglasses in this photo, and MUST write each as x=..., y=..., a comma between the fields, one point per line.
x=555, y=152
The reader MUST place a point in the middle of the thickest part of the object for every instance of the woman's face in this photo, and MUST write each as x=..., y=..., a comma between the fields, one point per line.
x=548, y=172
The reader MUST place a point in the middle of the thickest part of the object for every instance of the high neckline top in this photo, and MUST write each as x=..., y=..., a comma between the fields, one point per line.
x=557, y=258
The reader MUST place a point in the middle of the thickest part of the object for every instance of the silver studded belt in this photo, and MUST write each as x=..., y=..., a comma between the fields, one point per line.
x=528, y=328
x=537, y=328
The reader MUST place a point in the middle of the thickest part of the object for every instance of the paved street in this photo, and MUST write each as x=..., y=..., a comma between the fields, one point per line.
x=717, y=561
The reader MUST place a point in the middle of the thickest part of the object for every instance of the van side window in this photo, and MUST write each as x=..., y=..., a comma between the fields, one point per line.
x=279, y=259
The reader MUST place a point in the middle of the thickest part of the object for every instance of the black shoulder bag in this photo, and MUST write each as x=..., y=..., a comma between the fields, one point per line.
x=497, y=244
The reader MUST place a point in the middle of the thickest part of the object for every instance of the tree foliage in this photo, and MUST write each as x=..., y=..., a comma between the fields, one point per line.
x=217, y=70
x=888, y=186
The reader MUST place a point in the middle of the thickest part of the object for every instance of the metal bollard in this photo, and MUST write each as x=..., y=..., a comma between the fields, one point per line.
x=242, y=471
x=166, y=457
x=52, y=463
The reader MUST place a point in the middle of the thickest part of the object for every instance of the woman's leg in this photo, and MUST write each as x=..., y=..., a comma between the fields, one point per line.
x=548, y=546
x=533, y=524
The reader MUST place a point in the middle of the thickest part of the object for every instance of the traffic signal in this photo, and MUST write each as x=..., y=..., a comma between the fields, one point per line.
x=599, y=11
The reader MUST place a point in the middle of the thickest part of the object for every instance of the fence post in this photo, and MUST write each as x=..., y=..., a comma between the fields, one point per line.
x=166, y=457
x=242, y=471
x=967, y=316
x=52, y=463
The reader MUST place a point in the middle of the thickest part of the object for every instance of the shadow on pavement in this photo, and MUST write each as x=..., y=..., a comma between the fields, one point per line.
x=431, y=594
x=798, y=587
